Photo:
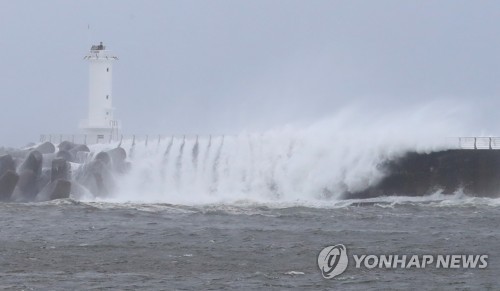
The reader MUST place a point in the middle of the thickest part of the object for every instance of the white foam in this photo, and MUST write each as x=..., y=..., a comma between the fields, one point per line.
x=295, y=165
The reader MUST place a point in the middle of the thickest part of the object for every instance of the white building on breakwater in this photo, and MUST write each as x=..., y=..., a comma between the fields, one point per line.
x=100, y=124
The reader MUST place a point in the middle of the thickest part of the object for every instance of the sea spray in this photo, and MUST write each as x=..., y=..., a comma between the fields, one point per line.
x=293, y=163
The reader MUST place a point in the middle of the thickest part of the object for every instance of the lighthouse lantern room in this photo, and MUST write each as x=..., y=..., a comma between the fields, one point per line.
x=100, y=122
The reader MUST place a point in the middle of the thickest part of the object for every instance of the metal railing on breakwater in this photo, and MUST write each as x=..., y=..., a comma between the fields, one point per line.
x=108, y=139
x=478, y=142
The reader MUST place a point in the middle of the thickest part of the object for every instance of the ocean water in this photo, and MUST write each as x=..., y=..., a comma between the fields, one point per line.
x=251, y=211
x=73, y=245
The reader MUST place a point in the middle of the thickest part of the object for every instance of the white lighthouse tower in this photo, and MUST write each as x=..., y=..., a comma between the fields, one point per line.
x=100, y=123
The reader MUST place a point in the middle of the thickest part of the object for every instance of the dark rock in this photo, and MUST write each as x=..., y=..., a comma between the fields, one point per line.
x=69, y=151
x=118, y=156
x=66, y=146
x=26, y=188
x=8, y=183
x=103, y=157
x=60, y=170
x=46, y=148
x=7, y=164
x=32, y=162
x=58, y=189
x=80, y=148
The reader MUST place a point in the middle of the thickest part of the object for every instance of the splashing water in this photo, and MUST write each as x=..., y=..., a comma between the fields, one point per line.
x=317, y=162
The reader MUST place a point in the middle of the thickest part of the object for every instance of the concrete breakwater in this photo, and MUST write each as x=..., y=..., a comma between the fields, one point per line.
x=47, y=172
x=475, y=172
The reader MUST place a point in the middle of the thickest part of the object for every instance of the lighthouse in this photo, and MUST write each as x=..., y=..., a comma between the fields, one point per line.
x=100, y=123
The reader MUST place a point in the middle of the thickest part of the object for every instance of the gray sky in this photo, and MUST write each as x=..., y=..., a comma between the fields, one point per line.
x=227, y=66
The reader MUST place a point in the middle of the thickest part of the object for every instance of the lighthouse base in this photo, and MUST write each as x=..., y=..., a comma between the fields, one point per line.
x=100, y=134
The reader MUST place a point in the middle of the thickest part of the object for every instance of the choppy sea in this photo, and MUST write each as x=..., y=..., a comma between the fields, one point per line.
x=75, y=245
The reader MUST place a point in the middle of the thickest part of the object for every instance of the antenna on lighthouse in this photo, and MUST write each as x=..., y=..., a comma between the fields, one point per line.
x=89, y=35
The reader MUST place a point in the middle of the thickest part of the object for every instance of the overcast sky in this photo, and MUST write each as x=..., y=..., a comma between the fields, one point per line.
x=226, y=66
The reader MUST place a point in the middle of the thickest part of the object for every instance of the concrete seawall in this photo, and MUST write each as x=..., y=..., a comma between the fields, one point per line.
x=475, y=172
